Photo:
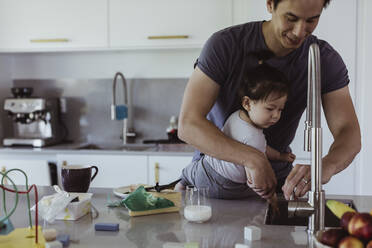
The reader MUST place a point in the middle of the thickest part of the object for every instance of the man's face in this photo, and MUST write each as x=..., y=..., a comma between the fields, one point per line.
x=294, y=20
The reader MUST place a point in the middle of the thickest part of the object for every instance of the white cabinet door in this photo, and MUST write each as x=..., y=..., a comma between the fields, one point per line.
x=166, y=23
x=169, y=168
x=37, y=171
x=114, y=170
x=52, y=24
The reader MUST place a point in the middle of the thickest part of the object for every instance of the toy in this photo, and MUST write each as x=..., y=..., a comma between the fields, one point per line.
x=113, y=227
x=21, y=237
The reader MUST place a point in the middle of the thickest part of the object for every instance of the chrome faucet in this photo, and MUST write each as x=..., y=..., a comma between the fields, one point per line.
x=314, y=208
x=120, y=112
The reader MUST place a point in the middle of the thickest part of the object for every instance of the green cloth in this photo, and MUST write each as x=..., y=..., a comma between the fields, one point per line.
x=140, y=200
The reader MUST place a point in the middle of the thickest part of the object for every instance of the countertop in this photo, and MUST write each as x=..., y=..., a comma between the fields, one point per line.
x=224, y=229
x=112, y=148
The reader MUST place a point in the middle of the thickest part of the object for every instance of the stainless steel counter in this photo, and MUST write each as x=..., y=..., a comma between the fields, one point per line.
x=160, y=149
x=225, y=229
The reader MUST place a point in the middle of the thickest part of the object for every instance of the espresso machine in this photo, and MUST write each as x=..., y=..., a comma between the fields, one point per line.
x=36, y=121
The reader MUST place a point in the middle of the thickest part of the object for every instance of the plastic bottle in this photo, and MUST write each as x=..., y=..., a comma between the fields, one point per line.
x=172, y=129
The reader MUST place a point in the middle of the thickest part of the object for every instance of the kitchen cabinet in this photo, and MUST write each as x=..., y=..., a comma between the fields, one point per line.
x=37, y=171
x=44, y=25
x=166, y=23
x=114, y=170
x=168, y=168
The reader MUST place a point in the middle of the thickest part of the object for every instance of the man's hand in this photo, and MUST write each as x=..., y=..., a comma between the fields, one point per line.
x=298, y=182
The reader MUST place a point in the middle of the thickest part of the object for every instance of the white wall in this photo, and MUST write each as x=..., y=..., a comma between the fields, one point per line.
x=92, y=65
x=364, y=64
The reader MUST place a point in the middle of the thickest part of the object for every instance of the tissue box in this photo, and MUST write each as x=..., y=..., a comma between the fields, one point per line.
x=75, y=210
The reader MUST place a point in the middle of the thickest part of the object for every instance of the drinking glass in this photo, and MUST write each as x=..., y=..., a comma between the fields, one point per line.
x=197, y=206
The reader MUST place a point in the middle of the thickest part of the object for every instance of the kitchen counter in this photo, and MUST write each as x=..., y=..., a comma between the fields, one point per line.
x=73, y=148
x=224, y=229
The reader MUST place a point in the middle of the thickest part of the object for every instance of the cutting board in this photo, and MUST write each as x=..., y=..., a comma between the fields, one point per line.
x=171, y=195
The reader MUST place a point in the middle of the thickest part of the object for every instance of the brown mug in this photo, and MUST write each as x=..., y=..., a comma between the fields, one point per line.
x=77, y=178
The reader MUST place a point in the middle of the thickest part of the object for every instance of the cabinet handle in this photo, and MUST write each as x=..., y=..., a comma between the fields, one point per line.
x=157, y=172
x=164, y=37
x=62, y=40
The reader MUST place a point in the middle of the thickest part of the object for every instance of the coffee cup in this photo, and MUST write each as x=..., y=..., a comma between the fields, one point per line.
x=77, y=178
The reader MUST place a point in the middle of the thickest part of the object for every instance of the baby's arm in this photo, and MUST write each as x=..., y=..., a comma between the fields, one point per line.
x=273, y=154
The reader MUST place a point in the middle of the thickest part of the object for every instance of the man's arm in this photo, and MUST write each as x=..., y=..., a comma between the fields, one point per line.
x=343, y=124
x=200, y=94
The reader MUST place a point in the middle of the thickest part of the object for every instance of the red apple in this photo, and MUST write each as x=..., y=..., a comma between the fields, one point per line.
x=350, y=242
x=360, y=226
x=331, y=237
x=345, y=219
x=369, y=245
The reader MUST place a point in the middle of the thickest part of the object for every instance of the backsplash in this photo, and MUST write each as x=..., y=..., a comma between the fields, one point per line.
x=151, y=104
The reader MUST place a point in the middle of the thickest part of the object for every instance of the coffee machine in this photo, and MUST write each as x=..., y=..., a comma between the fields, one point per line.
x=36, y=121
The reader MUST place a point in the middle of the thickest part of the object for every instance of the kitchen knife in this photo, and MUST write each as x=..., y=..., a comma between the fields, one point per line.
x=158, y=187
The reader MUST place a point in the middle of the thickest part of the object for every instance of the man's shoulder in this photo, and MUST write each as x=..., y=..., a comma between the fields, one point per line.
x=238, y=32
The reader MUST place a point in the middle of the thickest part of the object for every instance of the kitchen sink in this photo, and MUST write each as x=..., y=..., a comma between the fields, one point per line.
x=118, y=147
x=331, y=220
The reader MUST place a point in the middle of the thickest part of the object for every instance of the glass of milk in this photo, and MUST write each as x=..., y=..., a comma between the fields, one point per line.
x=197, y=206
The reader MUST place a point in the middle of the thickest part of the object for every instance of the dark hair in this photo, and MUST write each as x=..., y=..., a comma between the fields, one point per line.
x=260, y=82
x=276, y=2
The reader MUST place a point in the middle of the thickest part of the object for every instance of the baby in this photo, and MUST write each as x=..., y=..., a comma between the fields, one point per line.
x=262, y=97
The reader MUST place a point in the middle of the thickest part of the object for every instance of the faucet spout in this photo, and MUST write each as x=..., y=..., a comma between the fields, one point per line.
x=120, y=112
x=315, y=207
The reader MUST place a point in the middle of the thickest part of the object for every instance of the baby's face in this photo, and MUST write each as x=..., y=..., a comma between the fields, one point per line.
x=266, y=113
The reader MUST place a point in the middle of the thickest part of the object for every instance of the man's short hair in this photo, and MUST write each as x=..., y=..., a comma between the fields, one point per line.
x=276, y=2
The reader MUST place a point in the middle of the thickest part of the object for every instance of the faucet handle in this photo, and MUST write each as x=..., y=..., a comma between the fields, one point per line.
x=113, y=112
x=119, y=112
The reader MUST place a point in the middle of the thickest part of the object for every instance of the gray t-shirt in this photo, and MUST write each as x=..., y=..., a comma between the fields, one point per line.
x=229, y=51
x=244, y=132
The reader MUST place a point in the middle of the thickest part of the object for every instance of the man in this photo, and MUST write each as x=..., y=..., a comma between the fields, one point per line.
x=212, y=88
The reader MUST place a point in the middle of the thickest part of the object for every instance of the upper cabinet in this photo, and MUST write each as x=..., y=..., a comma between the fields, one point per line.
x=166, y=23
x=44, y=25
x=72, y=25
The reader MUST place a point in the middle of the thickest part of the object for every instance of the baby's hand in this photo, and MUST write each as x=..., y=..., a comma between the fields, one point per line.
x=287, y=156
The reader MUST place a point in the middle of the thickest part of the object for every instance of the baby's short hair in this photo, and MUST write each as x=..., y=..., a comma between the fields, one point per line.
x=260, y=82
